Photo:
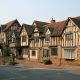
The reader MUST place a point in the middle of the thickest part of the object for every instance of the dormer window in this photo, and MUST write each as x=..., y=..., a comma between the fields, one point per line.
x=47, y=37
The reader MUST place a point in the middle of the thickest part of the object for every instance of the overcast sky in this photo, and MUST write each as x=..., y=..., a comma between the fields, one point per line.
x=28, y=10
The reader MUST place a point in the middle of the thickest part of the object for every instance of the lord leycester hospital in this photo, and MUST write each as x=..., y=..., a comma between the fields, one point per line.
x=57, y=41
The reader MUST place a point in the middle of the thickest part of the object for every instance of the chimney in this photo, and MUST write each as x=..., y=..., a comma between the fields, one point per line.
x=52, y=20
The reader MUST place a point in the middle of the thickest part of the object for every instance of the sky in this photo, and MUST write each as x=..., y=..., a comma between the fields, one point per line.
x=26, y=11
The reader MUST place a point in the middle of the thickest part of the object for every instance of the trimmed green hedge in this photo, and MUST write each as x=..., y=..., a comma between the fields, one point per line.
x=47, y=61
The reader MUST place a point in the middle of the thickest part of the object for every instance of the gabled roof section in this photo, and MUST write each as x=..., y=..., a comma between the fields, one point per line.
x=19, y=29
x=9, y=24
x=56, y=28
x=39, y=25
x=76, y=20
x=29, y=28
x=16, y=33
x=3, y=27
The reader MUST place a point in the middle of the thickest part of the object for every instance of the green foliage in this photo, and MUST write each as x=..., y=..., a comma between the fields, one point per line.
x=47, y=61
x=6, y=51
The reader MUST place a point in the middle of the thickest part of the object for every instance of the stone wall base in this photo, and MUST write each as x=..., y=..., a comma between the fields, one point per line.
x=65, y=62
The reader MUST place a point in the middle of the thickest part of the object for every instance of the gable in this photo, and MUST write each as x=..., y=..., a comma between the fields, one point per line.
x=35, y=30
x=13, y=25
x=71, y=27
x=34, y=24
x=48, y=31
x=70, y=23
x=23, y=31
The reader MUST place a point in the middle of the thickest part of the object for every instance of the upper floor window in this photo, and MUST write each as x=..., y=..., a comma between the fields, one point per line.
x=36, y=39
x=24, y=38
x=14, y=27
x=47, y=37
x=69, y=36
x=13, y=39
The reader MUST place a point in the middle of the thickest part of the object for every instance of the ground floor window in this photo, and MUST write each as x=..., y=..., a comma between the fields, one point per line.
x=54, y=51
x=46, y=53
x=25, y=51
x=69, y=54
x=33, y=53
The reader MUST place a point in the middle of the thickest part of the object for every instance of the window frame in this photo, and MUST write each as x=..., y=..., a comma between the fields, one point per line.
x=37, y=39
x=69, y=36
x=33, y=53
x=54, y=52
x=46, y=53
x=24, y=38
x=47, y=37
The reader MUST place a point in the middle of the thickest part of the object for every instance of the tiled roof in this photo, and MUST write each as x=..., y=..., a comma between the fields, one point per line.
x=7, y=25
x=3, y=27
x=56, y=28
x=29, y=28
x=39, y=25
x=76, y=20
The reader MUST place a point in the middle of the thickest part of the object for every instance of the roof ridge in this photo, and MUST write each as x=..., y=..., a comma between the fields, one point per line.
x=10, y=21
x=40, y=21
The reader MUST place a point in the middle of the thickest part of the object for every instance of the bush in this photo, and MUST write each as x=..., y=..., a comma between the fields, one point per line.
x=48, y=61
x=13, y=63
x=6, y=51
x=20, y=58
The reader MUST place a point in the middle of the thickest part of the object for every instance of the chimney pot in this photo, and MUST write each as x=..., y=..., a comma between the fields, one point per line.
x=52, y=20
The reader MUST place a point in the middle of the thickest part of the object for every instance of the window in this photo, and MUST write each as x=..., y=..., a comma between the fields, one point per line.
x=69, y=36
x=47, y=37
x=23, y=38
x=13, y=39
x=14, y=27
x=33, y=53
x=46, y=53
x=36, y=39
x=25, y=51
x=69, y=54
x=54, y=51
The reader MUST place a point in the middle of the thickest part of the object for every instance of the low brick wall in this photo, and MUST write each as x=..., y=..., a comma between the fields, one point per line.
x=57, y=61
x=5, y=60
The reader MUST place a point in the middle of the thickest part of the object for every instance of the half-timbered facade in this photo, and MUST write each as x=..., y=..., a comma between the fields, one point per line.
x=52, y=40
x=36, y=44
x=25, y=35
x=10, y=35
x=71, y=40
x=58, y=41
